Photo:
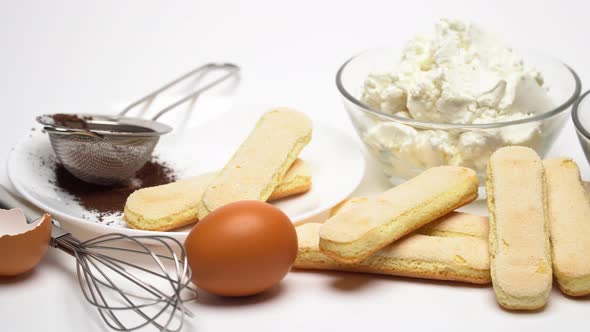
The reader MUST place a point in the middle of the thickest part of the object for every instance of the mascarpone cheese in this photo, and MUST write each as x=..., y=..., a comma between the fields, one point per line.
x=460, y=74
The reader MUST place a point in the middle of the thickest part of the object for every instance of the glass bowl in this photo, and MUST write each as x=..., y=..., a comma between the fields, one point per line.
x=405, y=147
x=581, y=117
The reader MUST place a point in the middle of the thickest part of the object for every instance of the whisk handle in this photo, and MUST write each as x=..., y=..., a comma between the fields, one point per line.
x=62, y=240
x=57, y=233
x=230, y=68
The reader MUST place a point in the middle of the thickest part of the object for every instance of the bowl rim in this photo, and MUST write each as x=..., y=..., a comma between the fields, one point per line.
x=575, y=109
x=155, y=128
x=440, y=125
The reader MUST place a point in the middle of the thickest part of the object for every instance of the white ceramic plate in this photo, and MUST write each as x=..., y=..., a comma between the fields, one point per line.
x=336, y=162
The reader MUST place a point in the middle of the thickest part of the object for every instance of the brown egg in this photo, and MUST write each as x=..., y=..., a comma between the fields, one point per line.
x=242, y=248
x=22, y=245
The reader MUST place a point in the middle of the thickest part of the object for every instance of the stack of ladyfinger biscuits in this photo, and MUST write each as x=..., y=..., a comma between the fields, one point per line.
x=537, y=227
x=409, y=230
x=265, y=167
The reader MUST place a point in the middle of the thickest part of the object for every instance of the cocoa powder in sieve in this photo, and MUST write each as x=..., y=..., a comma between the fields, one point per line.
x=71, y=120
x=110, y=200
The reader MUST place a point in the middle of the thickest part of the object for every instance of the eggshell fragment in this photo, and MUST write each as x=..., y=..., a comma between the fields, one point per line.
x=22, y=245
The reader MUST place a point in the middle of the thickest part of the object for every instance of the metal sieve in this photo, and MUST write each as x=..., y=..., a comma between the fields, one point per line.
x=105, y=150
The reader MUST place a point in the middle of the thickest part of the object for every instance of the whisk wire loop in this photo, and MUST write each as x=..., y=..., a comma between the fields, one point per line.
x=102, y=274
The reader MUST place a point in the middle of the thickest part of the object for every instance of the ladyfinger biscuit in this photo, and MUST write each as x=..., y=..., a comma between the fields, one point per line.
x=453, y=224
x=519, y=234
x=457, y=224
x=356, y=233
x=297, y=180
x=168, y=206
x=568, y=207
x=173, y=205
x=347, y=204
x=463, y=259
x=261, y=161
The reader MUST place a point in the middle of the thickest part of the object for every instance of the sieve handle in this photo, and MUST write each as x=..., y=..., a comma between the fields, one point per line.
x=230, y=68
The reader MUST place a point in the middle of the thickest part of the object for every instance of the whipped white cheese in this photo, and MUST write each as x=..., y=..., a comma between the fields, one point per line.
x=460, y=74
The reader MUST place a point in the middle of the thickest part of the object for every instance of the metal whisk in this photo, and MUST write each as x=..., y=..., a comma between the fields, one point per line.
x=116, y=276
x=114, y=280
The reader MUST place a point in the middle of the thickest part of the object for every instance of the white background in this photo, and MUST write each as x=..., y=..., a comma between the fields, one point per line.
x=77, y=56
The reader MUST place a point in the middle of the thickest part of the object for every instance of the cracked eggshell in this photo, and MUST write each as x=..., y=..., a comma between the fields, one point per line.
x=22, y=245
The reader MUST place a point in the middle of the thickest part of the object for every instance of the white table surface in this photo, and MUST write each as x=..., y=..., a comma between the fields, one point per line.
x=70, y=56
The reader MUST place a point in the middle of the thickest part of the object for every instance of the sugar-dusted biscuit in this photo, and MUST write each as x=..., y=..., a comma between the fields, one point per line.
x=453, y=224
x=568, y=206
x=358, y=232
x=173, y=205
x=519, y=231
x=297, y=180
x=261, y=162
x=457, y=258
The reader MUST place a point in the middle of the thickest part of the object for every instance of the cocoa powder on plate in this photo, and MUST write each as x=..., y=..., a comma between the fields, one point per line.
x=109, y=200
